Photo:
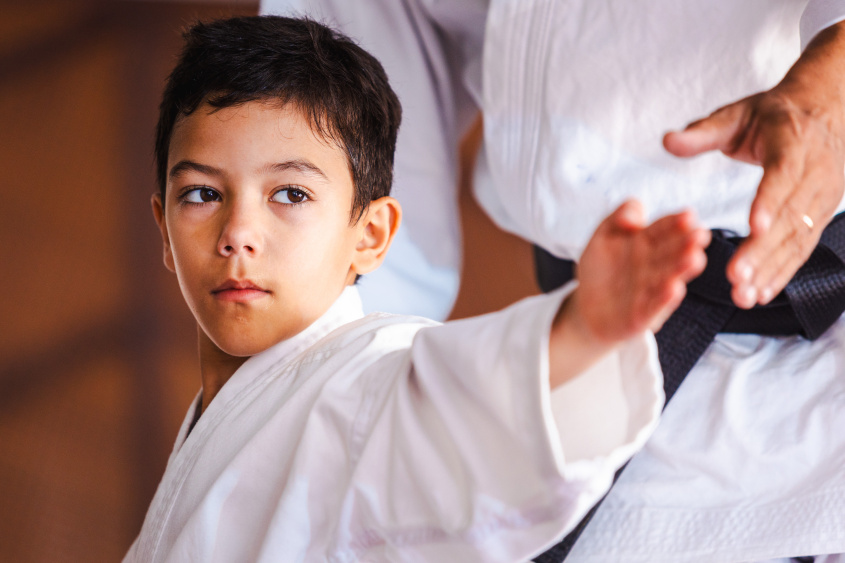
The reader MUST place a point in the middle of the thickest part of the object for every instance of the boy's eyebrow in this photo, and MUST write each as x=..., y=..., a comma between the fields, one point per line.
x=190, y=165
x=300, y=165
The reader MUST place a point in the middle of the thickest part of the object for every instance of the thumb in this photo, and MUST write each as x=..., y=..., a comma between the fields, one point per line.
x=716, y=132
x=629, y=215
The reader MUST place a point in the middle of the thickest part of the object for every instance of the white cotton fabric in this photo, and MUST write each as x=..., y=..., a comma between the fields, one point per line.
x=818, y=15
x=387, y=438
x=748, y=460
x=577, y=94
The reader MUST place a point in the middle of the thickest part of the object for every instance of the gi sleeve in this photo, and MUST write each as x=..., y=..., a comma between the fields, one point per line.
x=431, y=52
x=471, y=457
x=818, y=15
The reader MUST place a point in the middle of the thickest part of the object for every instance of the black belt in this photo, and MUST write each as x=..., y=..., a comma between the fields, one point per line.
x=811, y=302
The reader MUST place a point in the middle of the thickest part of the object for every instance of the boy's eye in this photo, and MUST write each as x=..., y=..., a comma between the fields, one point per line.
x=289, y=196
x=201, y=195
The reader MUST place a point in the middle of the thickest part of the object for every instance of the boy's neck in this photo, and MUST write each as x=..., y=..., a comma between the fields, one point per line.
x=216, y=367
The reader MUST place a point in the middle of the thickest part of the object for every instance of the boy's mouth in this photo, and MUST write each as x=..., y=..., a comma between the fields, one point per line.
x=239, y=290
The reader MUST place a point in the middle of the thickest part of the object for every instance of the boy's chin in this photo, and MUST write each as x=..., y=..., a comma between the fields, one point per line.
x=236, y=345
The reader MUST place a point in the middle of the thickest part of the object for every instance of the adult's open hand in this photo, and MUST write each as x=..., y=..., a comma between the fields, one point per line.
x=796, y=132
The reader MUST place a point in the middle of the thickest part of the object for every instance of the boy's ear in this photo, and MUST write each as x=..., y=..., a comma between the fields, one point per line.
x=158, y=213
x=380, y=223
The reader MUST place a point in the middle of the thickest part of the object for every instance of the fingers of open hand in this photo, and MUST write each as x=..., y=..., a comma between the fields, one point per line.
x=630, y=215
x=632, y=277
x=671, y=252
x=675, y=247
x=765, y=263
x=719, y=131
x=797, y=196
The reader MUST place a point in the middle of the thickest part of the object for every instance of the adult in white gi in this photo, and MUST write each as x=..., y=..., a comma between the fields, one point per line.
x=576, y=95
x=386, y=438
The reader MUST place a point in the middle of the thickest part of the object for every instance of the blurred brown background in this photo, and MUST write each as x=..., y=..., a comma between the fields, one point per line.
x=97, y=349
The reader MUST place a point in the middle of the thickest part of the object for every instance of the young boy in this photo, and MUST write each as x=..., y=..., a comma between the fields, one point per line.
x=323, y=435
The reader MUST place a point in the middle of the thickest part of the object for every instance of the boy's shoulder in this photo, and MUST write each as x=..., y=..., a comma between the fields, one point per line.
x=374, y=335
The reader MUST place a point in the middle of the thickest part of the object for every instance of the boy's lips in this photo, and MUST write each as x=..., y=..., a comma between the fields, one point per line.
x=239, y=290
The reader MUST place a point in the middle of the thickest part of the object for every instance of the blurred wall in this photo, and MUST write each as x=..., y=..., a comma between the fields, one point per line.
x=97, y=349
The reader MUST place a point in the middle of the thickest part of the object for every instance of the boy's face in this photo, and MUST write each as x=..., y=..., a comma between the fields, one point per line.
x=256, y=223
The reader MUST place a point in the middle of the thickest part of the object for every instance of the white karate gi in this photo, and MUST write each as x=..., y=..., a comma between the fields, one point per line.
x=386, y=438
x=576, y=95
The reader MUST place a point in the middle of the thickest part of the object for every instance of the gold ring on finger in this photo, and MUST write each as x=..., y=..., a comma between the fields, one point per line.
x=808, y=221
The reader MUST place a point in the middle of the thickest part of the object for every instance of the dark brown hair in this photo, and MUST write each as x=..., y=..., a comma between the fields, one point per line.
x=340, y=89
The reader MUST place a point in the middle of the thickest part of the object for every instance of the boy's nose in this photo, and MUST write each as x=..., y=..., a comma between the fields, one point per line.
x=229, y=249
x=240, y=235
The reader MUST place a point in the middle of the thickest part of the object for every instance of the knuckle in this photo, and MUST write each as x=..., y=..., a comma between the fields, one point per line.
x=802, y=244
x=794, y=216
x=784, y=166
x=799, y=239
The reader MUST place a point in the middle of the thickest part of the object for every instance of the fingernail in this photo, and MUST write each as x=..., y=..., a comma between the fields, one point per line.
x=632, y=213
x=766, y=295
x=744, y=271
x=748, y=295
